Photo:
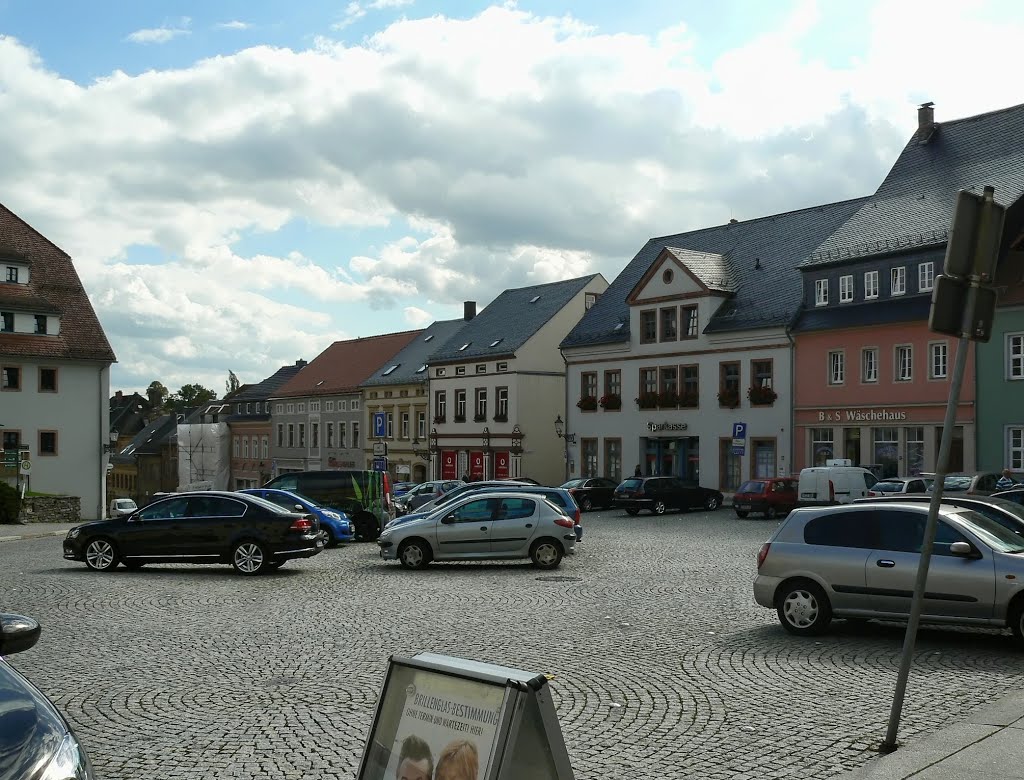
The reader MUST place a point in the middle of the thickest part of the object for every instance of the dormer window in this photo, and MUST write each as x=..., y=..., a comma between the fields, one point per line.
x=534, y=299
x=496, y=342
x=421, y=369
x=465, y=346
x=428, y=337
x=821, y=292
x=391, y=369
x=41, y=323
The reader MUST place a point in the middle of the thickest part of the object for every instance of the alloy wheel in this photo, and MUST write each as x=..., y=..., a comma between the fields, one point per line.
x=100, y=555
x=248, y=558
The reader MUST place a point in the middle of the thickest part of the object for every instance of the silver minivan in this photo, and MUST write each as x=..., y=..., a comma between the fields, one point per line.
x=860, y=561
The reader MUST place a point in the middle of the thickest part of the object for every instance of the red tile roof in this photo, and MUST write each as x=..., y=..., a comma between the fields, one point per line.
x=54, y=286
x=344, y=365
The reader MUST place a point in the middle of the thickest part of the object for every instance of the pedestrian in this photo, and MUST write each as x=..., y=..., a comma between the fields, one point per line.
x=465, y=476
x=637, y=472
x=1006, y=481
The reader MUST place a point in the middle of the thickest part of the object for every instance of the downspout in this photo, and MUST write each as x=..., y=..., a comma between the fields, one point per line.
x=792, y=397
x=565, y=449
x=104, y=454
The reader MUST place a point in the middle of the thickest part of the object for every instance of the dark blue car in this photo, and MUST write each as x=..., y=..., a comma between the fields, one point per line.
x=335, y=526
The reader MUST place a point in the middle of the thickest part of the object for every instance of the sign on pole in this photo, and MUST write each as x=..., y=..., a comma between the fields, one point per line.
x=439, y=713
x=380, y=464
x=380, y=449
x=739, y=438
x=380, y=425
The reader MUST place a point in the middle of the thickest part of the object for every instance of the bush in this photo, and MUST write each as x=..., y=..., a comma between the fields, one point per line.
x=10, y=504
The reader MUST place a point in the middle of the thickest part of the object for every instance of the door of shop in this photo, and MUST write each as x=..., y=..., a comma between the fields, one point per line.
x=672, y=458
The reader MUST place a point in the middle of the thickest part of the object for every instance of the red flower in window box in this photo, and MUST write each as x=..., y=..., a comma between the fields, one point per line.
x=587, y=403
x=610, y=401
x=729, y=398
x=762, y=396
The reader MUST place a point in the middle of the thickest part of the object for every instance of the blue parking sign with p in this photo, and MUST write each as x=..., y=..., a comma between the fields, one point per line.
x=739, y=430
x=380, y=424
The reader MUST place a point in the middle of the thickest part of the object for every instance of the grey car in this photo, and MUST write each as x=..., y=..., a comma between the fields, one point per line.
x=481, y=527
x=860, y=561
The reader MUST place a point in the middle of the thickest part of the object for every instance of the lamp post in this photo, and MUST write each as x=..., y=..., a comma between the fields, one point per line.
x=569, y=438
x=516, y=452
x=434, y=450
x=485, y=439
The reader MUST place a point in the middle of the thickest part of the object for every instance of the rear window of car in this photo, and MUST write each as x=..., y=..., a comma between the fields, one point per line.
x=888, y=487
x=842, y=529
x=631, y=484
x=752, y=487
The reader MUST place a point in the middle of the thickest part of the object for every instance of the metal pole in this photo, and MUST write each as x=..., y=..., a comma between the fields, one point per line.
x=962, y=348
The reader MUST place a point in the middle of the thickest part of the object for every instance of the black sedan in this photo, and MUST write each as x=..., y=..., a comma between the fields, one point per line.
x=250, y=533
x=591, y=492
x=1014, y=494
x=659, y=494
x=35, y=739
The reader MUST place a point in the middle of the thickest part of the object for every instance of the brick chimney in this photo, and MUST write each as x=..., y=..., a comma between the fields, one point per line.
x=468, y=310
x=926, y=126
x=300, y=362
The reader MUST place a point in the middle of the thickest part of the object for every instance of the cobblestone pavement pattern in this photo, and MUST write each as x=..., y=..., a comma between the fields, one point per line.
x=665, y=667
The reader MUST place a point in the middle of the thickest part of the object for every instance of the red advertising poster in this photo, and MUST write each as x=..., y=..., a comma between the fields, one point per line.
x=448, y=465
x=501, y=461
x=476, y=465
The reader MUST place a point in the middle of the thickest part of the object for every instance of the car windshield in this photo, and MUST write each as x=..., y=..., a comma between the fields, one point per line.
x=752, y=487
x=634, y=483
x=888, y=487
x=572, y=483
x=990, y=532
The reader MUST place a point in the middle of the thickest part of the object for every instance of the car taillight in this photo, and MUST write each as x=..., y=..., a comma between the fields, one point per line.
x=565, y=522
x=831, y=492
x=302, y=524
x=763, y=553
x=578, y=517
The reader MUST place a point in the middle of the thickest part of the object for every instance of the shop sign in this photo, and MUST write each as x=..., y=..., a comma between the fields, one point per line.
x=654, y=427
x=476, y=464
x=448, y=465
x=862, y=415
x=501, y=461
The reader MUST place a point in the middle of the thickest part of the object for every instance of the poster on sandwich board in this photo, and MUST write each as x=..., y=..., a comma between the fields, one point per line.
x=445, y=718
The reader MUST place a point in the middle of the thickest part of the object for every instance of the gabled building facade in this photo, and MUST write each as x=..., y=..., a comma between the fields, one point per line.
x=498, y=385
x=689, y=342
x=148, y=463
x=249, y=424
x=54, y=370
x=317, y=419
x=872, y=380
x=398, y=389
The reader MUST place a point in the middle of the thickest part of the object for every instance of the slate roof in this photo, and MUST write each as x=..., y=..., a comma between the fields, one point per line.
x=764, y=297
x=713, y=270
x=913, y=308
x=54, y=287
x=261, y=391
x=149, y=440
x=510, y=320
x=914, y=204
x=416, y=355
x=344, y=365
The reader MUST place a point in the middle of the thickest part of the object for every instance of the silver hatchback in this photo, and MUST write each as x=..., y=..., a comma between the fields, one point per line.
x=481, y=527
x=860, y=561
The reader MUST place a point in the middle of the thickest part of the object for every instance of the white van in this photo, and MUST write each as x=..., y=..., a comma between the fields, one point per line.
x=121, y=507
x=833, y=484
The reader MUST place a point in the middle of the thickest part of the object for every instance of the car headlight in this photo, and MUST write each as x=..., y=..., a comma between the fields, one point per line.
x=68, y=763
x=333, y=515
x=74, y=532
x=385, y=533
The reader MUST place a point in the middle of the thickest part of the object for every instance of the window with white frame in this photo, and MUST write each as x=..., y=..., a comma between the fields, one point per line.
x=501, y=404
x=938, y=363
x=1015, y=356
x=925, y=276
x=342, y=434
x=265, y=442
x=869, y=365
x=405, y=425
x=329, y=406
x=280, y=434
x=245, y=447
x=460, y=405
x=820, y=292
x=836, y=367
x=355, y=404
x=236, y=446
x=342, y=406
x=846, y=289
x=480, y=405
x=898, y=281
x=871, y=284
x=301, y=408
x=390, y=418
x=291, y=408
x=314, y=406
x=1015, y=448
x=330, y=435
x=279, y=408
x=904, y=363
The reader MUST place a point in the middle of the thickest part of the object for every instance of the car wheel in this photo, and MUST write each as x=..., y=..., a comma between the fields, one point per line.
x=658, y=508
x=770, y=512
x=546, y=554
x=712, y=503
x=328, y=537
x=1016, y=619
x=632, y=512
x=803, y=608
x=585, y=504
x=741, y=514
x=101, y=555
x=414, y=554
x=249, y=558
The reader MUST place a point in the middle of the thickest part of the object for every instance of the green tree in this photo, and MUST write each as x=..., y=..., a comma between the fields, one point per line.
x=232, y=384
x=188, y=396
x=157, y=394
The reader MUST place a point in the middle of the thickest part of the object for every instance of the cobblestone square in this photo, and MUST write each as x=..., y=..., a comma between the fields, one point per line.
x=664, y=666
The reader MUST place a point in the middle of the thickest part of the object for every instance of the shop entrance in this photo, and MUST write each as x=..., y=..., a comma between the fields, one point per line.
x=671, y=458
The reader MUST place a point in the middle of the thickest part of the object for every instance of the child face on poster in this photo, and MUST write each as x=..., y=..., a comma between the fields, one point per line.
x=458, y=761
x=414, y=760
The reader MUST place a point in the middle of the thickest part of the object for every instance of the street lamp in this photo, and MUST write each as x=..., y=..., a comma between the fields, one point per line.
x=113, y=442
x=486, y=438
x=419, y=450
x=570, y=438
x=517, y=441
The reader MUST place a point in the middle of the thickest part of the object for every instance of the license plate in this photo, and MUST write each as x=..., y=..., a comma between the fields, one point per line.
x=807, y=495
x=743, y=506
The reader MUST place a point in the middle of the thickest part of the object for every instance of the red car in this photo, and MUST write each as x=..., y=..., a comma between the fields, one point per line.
x=771, y=496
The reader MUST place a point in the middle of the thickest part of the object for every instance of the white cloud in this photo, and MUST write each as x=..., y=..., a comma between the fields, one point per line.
x=504, y=149
x=234, y=24
x=161, y=34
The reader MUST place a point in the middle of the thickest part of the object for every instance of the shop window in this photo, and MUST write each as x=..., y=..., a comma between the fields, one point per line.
x=913, y=450
x=822, y=447
x=851, y=445
x=886, y=450
x=613, y=459
x=763, y=451
x=956, y=448
x=588, y=448
x=729, y=467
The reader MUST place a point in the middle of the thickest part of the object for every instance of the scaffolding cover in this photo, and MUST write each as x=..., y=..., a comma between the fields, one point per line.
x=204, y=456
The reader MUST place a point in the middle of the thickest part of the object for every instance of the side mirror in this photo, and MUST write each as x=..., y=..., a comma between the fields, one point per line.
x=448, y=519
x=961, y=548
x=298, y=508
x=17, y=633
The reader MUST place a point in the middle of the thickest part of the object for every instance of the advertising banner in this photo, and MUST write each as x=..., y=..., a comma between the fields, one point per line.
x=449, y=465
x=501, y=461
x=476, y=465
x=434, y=725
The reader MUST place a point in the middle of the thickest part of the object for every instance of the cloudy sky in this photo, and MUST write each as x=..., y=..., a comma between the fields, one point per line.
x=247, y=181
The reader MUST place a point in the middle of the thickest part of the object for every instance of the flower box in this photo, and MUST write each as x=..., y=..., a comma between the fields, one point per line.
x=587, y=403
x=668, y=400
x=439, y=418
x=647, y=401
x=610, y=401
x=761, y=396
x=730, y=399
x=459, y=418
x=689, y=400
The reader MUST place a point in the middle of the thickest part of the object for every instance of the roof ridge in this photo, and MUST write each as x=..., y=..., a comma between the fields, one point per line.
x=34, y=230
x=372, y=338
x=587, y=277
x=758, y=219
x=982, y=115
